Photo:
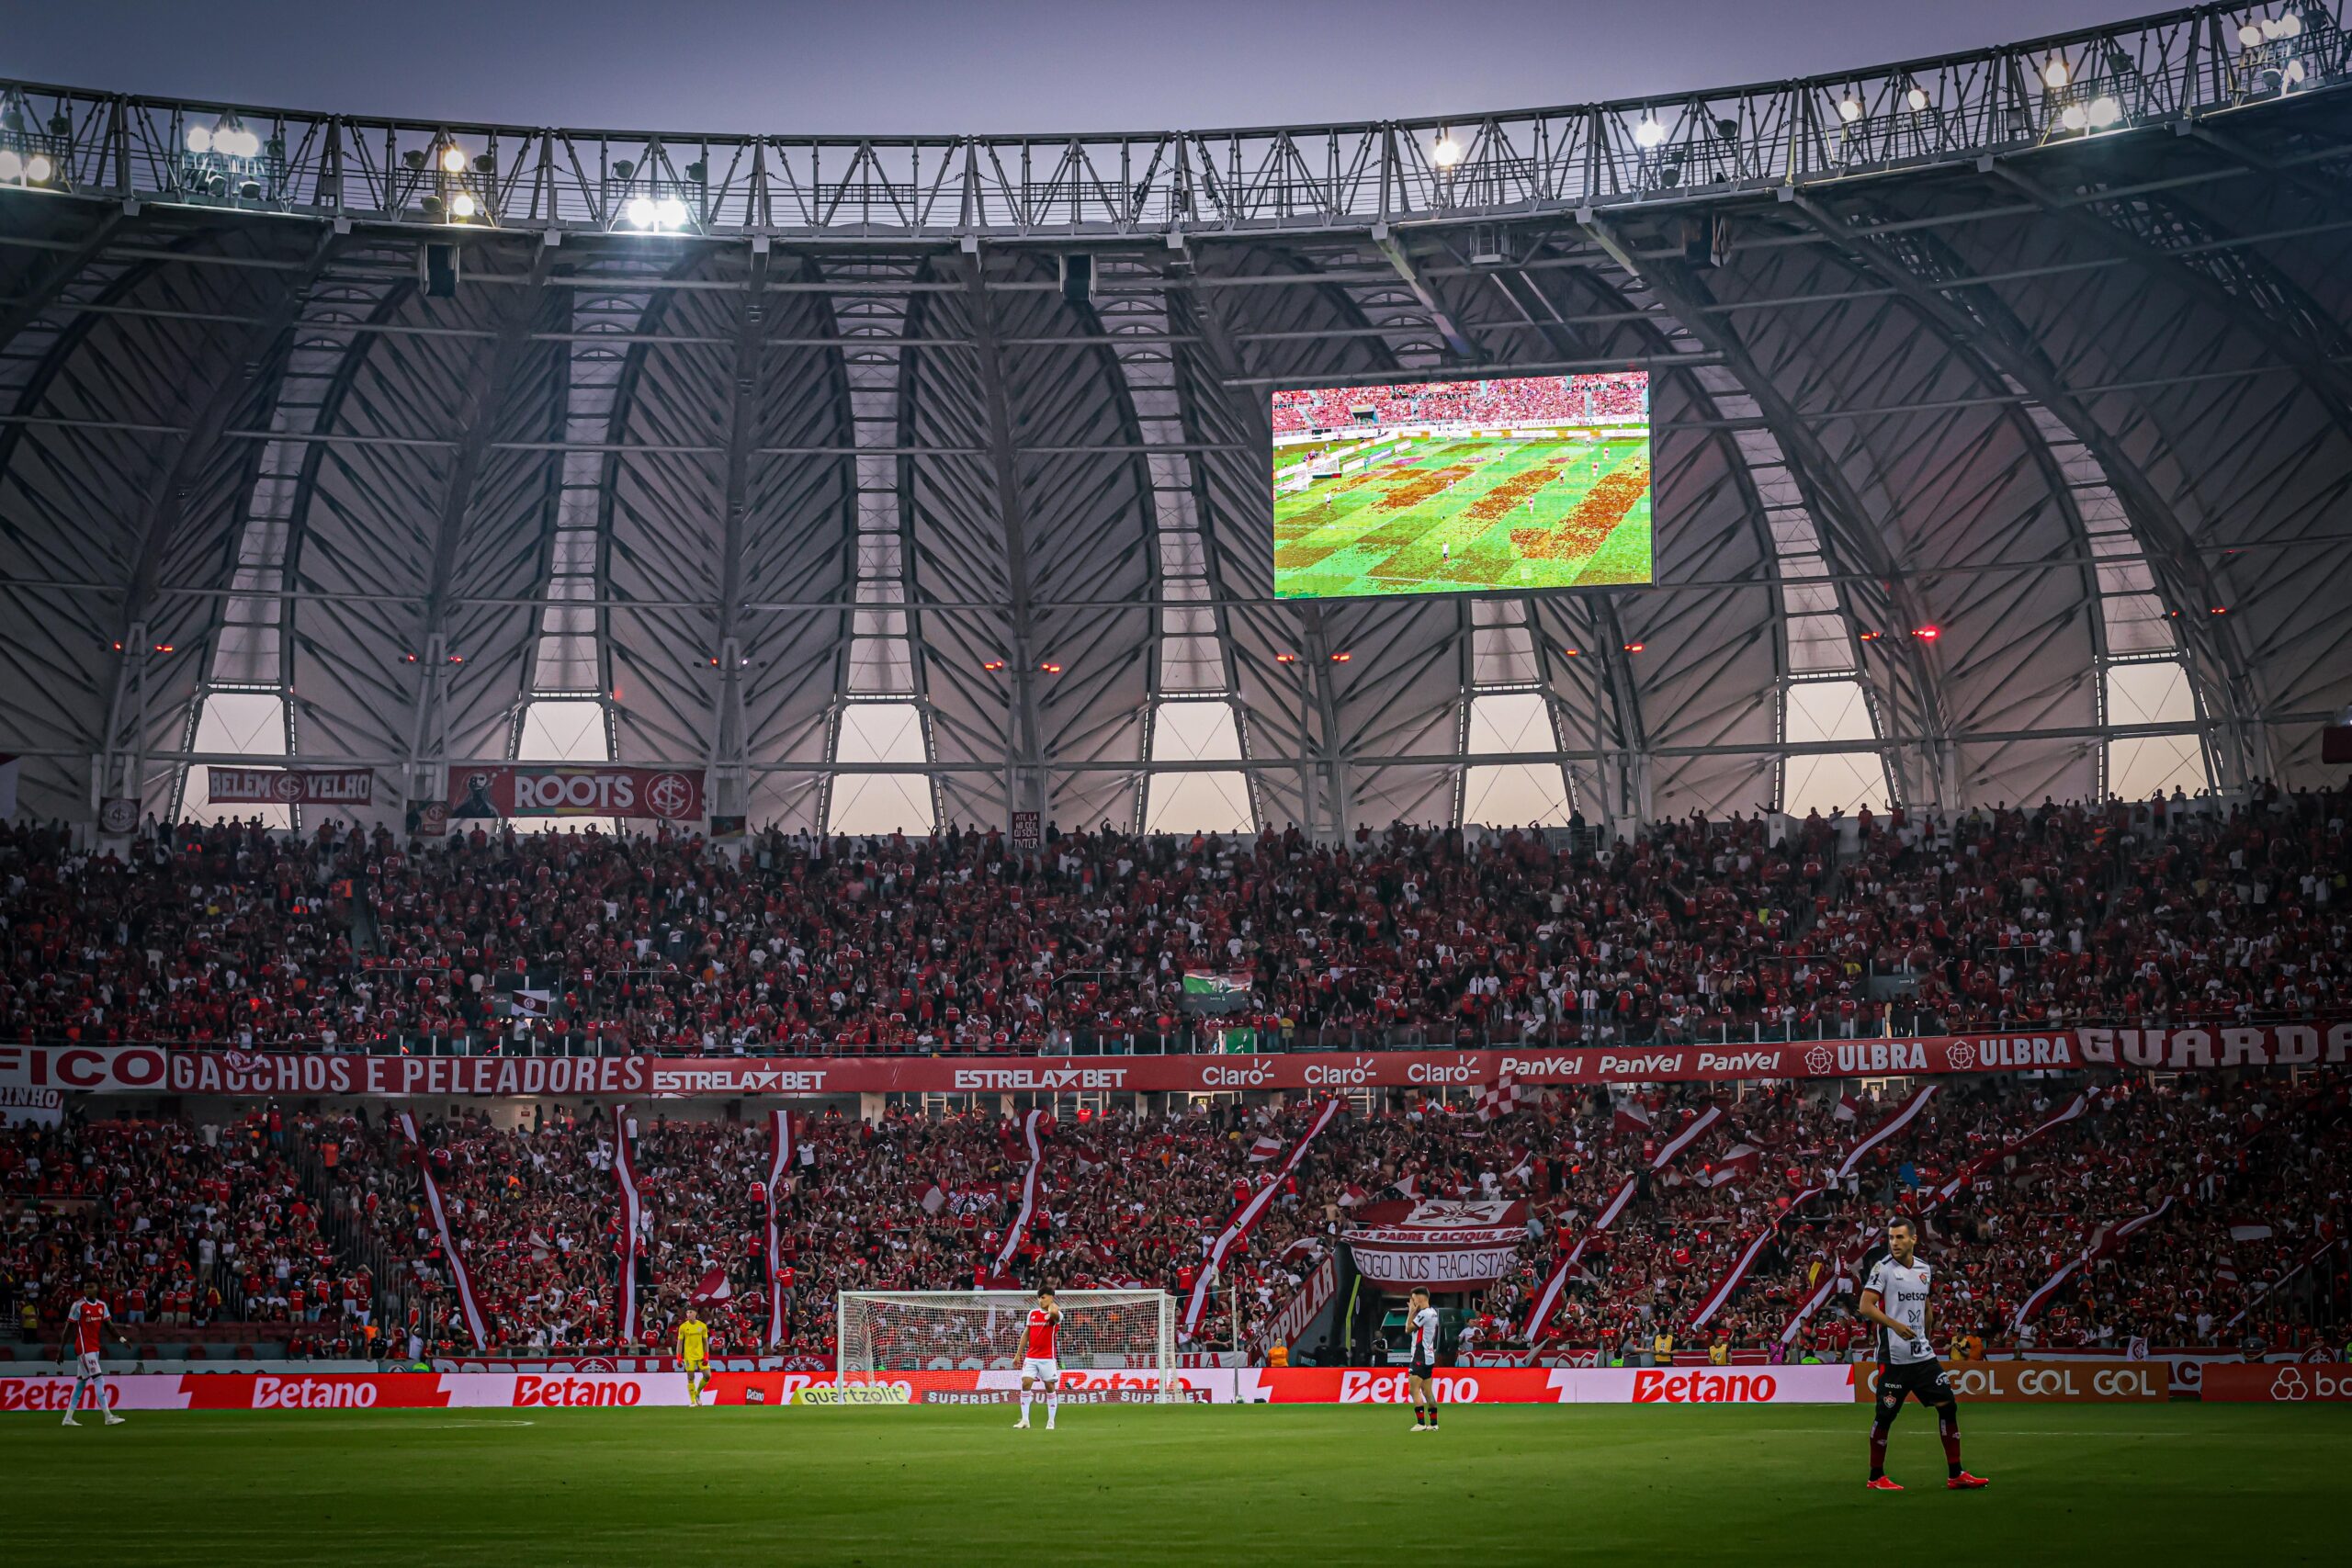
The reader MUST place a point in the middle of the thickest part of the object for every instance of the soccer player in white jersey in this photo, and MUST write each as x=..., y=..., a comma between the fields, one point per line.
x=87, y=1320
x=1418, y=1376
x=1039, y=1363
x=1894, y=1298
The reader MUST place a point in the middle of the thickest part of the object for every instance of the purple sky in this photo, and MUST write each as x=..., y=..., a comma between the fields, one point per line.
x=931, y=67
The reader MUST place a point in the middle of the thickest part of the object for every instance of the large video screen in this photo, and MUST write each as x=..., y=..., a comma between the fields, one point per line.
x=1500, y=485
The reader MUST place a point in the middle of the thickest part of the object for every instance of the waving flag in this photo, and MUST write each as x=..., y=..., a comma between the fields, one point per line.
x=1032, y=1133
x=1245, y=1219
x=1267, y=1147
x=1630, y=1116
x=1683, y=1140
x=1549, y=1296
x=1500, y=1098
x=632, y=1217
x=433, y=1205
x=2106, y=1240
x=715, y=1288
x=779, y=1161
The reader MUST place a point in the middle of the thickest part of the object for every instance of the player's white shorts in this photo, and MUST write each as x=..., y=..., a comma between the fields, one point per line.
x=90, y=1366
x=1039, y=1369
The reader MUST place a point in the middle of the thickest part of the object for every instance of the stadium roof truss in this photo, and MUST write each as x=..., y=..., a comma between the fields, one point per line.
x=2002, y=408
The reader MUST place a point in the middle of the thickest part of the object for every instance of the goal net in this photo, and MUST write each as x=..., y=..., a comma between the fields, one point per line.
x=1129, y=1332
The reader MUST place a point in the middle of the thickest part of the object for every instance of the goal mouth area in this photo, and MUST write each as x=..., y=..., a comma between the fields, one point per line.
x=976, y=1347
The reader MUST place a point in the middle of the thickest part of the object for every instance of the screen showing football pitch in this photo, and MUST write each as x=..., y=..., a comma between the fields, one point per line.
x=1462, y=487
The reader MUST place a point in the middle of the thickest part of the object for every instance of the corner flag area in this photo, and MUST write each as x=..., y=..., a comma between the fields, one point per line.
x=1391, y=514
x=1132, y=1485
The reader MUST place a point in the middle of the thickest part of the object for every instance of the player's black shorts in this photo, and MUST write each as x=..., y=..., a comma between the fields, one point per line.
x=1924, y=1379
x=1421, y=1369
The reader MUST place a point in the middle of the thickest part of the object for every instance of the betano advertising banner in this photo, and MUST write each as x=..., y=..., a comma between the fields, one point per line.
x=2044, y=1382
x=634, y=1390
x=170, y=1070
x=596, y=789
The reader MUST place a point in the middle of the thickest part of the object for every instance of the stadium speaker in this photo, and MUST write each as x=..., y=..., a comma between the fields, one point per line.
x=437, y=265
x=1078, y=278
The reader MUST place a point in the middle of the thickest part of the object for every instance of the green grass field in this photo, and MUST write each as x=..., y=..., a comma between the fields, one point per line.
x=2079, y=1485
x=1456, y=516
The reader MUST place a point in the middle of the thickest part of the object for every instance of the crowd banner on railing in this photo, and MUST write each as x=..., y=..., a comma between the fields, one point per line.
x=1440, y=1244
x=779, y=1164
x=458, y=1273
x=589, y=789
x=166, y=1069
x=290, y=786
x=1245, y=1219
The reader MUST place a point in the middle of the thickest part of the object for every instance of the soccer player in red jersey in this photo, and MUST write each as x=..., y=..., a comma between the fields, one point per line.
x=87, y=1320
x=1038, y=1362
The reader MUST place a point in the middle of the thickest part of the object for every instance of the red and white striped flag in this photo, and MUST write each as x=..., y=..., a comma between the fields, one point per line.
x=715, y=1287
x=1500, y=1098
x=632, y=1216
x=1267, y=1147
x=1849, y=1109
x=433, y=1205
x=1631, y=1116
x=779, y=1162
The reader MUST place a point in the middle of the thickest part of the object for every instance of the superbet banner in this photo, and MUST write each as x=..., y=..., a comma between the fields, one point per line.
x=291, y=786
x=2044, y=1382
x=670, y=795
x=122, y=1070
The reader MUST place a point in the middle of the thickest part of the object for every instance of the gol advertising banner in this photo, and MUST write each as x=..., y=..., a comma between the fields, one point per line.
x=2279, y=1383
x=292, y=786
x=2044, y=1382
x=170, y=1070
x=526, y=789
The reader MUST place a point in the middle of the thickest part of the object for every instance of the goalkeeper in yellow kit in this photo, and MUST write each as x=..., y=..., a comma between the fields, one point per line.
x=693, y=1354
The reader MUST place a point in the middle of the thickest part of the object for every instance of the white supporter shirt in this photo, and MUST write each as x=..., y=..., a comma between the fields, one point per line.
x=1425, y=1336
x=1903, y=1296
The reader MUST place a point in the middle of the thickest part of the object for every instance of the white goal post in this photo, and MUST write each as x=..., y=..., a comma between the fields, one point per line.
x=1132, y=1333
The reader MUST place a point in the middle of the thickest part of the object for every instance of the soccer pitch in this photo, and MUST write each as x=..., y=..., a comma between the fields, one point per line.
x=944, y=1488
x=1462, y=514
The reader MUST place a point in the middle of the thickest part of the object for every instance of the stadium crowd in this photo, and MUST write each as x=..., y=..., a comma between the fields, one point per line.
x=1692, y=929
x=1614, y=398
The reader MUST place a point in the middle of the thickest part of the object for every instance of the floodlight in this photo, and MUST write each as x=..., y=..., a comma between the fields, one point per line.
x=462, y=204
x=453, y=159
x=1849, y=108
x=2076, y=118
x=2105, y=111
x=199, y=138
x=2056, y=74
x=2270, y=27
x=2290, y=26
x=1917, y=97
x=11, y=165
x=640, y=211
x=2249, y=35
x=670, y=211
x=1649, y=133
x=38, y=168
x=1447, y=152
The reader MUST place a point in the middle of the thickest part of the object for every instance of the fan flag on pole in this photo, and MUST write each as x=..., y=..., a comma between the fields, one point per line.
x=715, y=1288
x=1632, y=1116
x=1500, y=1098
x=1848, y=1110
x=1267, y=1147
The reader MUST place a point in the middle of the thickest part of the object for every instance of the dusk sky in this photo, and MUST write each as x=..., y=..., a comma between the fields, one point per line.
x=933, y=65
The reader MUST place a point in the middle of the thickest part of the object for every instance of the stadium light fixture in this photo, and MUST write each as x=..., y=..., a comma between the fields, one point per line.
x=38, y=168
x=1285, y=658
x=1917, y=97
x=1649, y=133
x=1635, y=647
x=1341, y=657
x=1447, y=153
x=2057, y=73
x=453, y=159
x=2291, y=25
x=993, y=665
x=643, y=212
x=2076, y=117
x=1050, y=668
x=2105, y=111
x=11, y=166
x=462, y=204
x=199, y=138
x=1849, y=108
x=670, y=211
x=1928, y=634
x=1571, y=653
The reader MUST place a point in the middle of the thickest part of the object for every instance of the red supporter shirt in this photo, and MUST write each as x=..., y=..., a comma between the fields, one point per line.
x=88, y=1318
x=1042, y=1329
